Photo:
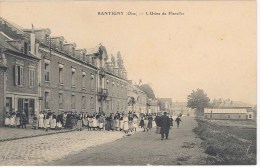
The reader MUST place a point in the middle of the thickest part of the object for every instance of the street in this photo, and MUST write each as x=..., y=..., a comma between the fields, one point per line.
x=106, y=148
x=144, y=148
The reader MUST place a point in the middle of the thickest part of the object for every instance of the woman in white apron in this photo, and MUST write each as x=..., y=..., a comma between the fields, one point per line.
x=126, y=126
x=7, y=119
x=135, y=123
x=95, y=123
x=41, y=122
x=12, y=119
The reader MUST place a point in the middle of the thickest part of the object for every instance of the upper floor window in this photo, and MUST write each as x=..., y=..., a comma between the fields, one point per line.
x=61, y=73
x=84, y=102
x=83, y=80
x=19, y=75
x=31, y=77
x=60, y=100
x=47, y=100
x=73, y=75
x=47, y=70
x=92, y=102
x=92, y=82
x=73, y=102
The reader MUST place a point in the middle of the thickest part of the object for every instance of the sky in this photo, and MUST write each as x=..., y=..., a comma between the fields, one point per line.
x=211, y=47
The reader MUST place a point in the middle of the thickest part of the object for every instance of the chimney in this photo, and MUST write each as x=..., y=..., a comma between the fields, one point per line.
x=32, y=41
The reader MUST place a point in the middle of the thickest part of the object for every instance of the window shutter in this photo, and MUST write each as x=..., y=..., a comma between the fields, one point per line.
x=16, y=75
x=21, y=75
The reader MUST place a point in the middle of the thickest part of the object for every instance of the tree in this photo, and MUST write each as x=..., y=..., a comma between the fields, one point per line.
x=198, y=100
x=148, y=90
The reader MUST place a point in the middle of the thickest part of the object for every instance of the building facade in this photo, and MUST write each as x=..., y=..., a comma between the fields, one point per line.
x=228, y=109
x=46, y=73
x=137, y=99
x=20, y=86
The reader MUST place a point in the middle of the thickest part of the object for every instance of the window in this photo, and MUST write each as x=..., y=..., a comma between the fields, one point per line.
x=73, y=77
x=92, y=83
x=83, y=102
x=228, y=116
x=47, y=72
x=47, y=100
x=239, y=116
x=18, y=75
x=250, y=116
x=83, y=80
x=25, y=48
x=73, y=102
x=92, y=102
x=107, y=105
x=31, y=77
x=61, y=73
x=60, y=100
x=118, y=105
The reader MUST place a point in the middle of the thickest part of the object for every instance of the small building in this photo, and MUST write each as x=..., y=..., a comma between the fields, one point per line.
x=227, y=113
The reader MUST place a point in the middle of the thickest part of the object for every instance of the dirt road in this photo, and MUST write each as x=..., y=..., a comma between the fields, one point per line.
x=143, y=148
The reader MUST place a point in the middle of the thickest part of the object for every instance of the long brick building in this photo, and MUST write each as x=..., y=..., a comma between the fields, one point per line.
x=45, y=72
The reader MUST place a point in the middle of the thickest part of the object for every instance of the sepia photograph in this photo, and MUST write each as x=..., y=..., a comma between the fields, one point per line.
x=128, y=83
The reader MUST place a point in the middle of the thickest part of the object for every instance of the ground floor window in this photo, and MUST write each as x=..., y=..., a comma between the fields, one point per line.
x=8, y=104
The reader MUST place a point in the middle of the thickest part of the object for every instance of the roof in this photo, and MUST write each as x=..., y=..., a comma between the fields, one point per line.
x=92, y=50
x=5, y=44
x=13, y=26
x=232, y=104
x=224, y=111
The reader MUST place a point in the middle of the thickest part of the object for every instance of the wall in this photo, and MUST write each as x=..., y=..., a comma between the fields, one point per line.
x=2, y=95
x=225, y=116
x=54, y=87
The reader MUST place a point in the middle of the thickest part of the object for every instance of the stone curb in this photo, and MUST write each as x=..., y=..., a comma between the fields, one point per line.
x=30, y=136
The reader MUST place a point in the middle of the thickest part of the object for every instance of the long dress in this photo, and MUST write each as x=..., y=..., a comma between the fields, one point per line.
x=46, y=123
x=95, y=123
x=90, y=122
x=117, y=123
x=53, y=123
x=101, y=122
x=126, y=126
x=121, y=123
x=41, y=122
x=12, y=120
x=7, y=119
x=135, y=122
x=145, y=123
x=18, y=120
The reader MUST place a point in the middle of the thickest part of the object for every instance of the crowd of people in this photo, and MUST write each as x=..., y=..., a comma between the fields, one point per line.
x=119, y=121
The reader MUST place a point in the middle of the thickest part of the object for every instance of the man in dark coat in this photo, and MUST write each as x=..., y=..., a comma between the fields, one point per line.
x=165, y=125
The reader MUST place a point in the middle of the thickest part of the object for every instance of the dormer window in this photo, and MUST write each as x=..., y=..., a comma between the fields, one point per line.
x=25, y=48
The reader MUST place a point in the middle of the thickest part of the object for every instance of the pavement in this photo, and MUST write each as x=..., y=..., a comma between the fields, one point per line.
x=7, y=134
x=22, y=147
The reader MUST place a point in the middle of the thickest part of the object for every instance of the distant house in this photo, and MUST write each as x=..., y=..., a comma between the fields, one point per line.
x=227, y=109
x=181, y=107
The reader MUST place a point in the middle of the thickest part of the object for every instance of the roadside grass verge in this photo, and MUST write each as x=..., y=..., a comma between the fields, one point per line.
x=227, y=145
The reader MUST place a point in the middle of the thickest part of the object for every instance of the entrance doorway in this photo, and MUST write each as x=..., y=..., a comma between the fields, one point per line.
x=26, y=105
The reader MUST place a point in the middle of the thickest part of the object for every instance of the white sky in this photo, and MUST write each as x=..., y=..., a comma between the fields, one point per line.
x=212, y=47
